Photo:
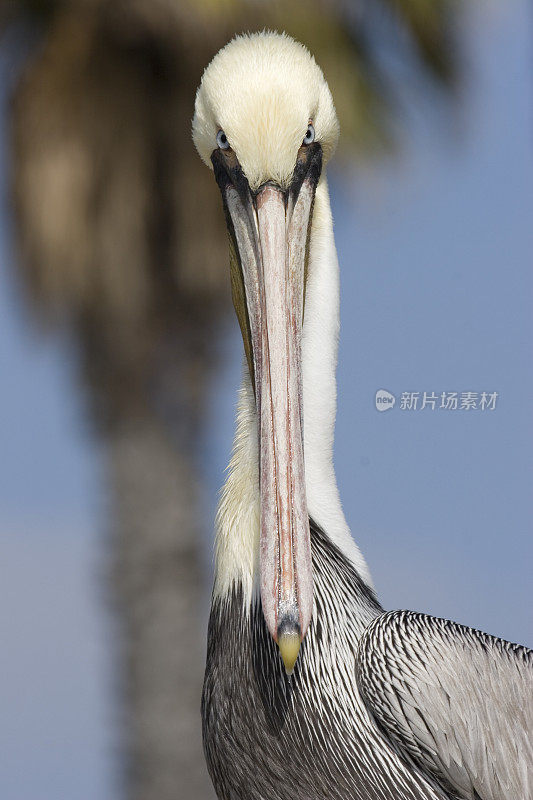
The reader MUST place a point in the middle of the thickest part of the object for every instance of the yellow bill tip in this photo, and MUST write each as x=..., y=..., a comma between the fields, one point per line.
x=289, y=646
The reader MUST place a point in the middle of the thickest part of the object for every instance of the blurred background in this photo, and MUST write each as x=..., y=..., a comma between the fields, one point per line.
x=120, y=358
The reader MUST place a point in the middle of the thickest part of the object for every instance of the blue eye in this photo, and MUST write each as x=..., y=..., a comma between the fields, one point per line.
x=309, y=137
x=222, y=140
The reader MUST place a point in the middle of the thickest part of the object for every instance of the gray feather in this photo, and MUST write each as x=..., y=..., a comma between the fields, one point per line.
x=455, y=702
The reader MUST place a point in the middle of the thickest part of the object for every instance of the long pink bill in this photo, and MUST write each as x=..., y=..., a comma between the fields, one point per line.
x=271, y=236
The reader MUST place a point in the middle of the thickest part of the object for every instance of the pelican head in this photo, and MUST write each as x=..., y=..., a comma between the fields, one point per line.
x=265, y=123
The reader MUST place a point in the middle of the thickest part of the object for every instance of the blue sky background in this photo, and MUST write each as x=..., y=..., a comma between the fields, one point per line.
x=435, y=249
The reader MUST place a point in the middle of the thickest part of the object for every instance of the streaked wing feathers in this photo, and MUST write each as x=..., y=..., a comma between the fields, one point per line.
x=455, y=701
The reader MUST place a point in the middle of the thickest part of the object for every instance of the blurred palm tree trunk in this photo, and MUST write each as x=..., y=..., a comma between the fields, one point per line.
x=159, y=581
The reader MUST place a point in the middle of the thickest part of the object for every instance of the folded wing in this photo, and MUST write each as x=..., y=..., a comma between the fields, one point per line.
x=456, y=702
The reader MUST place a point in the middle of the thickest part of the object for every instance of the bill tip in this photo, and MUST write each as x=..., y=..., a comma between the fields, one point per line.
x=289, y=642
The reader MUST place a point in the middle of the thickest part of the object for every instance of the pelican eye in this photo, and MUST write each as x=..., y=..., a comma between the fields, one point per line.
x=309, y=137
x=222, y=140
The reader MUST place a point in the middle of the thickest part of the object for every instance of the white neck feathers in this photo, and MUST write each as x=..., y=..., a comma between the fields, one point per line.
x=237, y=534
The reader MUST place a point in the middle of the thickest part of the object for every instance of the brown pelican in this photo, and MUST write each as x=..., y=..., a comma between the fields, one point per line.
x=312, y=691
